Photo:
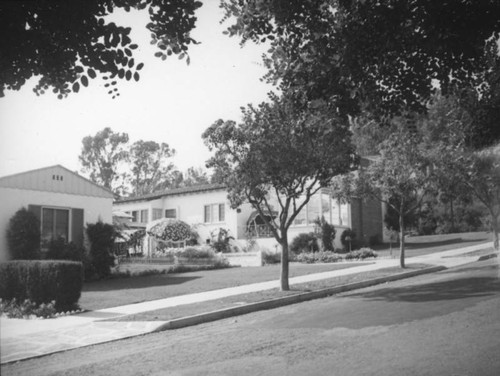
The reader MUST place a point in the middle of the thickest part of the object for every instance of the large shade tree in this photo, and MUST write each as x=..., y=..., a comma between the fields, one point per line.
x=385, y=56
x=101, y=156
x=150, y=166
x=277, y=158
x=64, y=44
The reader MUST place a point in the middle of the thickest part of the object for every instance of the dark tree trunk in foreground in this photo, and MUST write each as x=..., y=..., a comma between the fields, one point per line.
x=284, y=285
x=402, y=240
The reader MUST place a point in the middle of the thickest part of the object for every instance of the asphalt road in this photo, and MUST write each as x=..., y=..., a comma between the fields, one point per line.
x=446, y=323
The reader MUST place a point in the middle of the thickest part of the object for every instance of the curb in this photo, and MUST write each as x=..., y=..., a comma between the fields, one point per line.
x=287, y=300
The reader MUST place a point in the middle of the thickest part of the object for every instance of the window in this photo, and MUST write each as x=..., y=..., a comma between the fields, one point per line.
x=135, y=215
x=214, y=213
x=340, y=213
x=55, y=225
x=320, y=205
x=157, y=214
x=144, y=216
x=171, y=213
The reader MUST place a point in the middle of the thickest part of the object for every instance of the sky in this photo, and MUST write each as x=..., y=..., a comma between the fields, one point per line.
x=173, y=102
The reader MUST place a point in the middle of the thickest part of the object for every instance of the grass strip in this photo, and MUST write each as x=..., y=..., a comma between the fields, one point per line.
x=172, y=313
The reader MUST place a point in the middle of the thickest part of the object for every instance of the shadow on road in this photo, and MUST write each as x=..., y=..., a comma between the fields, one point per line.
x=449, y=290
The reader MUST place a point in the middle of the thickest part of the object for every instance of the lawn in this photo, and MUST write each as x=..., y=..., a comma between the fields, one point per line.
x=121, y=291
x=424, y=245
x=254, y=297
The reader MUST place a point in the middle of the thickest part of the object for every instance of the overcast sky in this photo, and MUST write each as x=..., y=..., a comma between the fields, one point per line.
x=172, y=103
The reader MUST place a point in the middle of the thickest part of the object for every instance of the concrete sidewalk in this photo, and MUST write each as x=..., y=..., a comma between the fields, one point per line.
x=24, y=339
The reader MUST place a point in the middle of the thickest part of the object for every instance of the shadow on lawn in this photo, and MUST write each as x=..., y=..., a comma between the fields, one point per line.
x=449, y=290
x=137, y=282
x=416, y=245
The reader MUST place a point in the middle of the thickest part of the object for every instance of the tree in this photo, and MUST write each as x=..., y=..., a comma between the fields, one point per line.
x=67, y=43
x=281, y=154
x=401, y=177
x=192, y=177
x=382, y=56
x=101, y=156
x=23, y=236
x=480, y=173
x=149, y=167
x=195, y=176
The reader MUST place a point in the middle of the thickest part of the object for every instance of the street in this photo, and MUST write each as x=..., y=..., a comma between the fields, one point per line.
x=446, y=323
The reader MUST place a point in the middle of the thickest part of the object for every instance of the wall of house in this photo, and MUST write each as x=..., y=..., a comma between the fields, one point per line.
x=367, y=221
x=12, y=199
x=190, y=208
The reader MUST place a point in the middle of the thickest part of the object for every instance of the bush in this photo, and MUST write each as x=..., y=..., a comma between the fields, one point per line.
x=269, y=258
x=23, y=236
x=102, y=238
x=348, y=234
x=315, y=257
x=361, y=254
x=173, y=230
x=304, y=243
x=196, y=253
x=327, y=233
x=42, y=282
x=61, y=250
x=220, y=241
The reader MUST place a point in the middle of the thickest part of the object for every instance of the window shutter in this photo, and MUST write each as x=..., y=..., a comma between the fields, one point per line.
x=207, y=213
x=77, y=226
x=37, y=210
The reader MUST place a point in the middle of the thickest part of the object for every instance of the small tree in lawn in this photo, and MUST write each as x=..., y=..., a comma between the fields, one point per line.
x=282, y=153
x=480, y=172
x=401, y=178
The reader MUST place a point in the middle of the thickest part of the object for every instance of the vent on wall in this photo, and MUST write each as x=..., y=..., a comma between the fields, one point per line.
x=57, y=177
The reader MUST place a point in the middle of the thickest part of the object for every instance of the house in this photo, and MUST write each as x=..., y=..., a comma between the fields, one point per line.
x=62, y=200
x=207, y=208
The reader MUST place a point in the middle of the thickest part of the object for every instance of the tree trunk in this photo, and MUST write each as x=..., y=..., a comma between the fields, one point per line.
x=494, y=224
x=401, y=240
x=452, y=216
x=284, y=286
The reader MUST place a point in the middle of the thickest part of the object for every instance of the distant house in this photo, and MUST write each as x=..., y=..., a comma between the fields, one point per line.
x=206, y=207
x=62, y=200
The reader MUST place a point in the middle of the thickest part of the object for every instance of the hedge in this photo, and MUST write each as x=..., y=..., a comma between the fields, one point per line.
x=42, y=281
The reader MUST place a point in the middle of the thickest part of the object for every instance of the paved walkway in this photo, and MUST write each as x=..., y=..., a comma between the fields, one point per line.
x=24, y=339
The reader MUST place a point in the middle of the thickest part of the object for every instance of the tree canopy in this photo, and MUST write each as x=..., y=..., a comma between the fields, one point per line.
x=66, y=43
x=277, y=158
x=383, y=56
x=150, y=168
x=101, y=155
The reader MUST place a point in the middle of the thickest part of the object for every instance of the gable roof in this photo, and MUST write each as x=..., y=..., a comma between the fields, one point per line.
x=174, y=192
x=57, y=179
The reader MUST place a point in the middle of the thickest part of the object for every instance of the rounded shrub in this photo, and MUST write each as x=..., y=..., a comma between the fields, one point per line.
x=173, y=230
x=102, y=238
x=304, y=243
x=23, y=236
x=348, y=239
x=42, y=281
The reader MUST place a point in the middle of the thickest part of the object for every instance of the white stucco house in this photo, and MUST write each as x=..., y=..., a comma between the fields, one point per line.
x=207, y=208
x=63, y=201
